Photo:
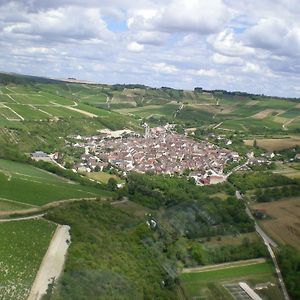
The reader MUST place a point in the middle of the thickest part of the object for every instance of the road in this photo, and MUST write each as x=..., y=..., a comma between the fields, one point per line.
x=52, y=264
x=268, y=242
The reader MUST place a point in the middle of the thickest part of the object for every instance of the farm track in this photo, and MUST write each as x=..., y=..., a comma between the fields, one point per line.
x=53, y=262
x=41, y=208
x=240, y=263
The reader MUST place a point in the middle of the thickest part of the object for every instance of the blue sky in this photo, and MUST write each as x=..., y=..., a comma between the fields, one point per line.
x=247, y=45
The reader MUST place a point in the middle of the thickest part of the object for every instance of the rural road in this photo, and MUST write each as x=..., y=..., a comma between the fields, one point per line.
x=268, y=242
x=52, y=264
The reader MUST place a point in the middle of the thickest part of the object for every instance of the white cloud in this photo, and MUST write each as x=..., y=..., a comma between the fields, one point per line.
x=135, y=47
x=206, y=72
x=246, y=45
x=226, y=43
x=164, y=68
x=226, y=60
x=199, y=16
x=276, y=35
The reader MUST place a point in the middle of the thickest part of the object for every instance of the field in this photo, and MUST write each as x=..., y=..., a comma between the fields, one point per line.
x=23, y=245
x=208, y=284
x=275, y=144
x=103, y=177
x=291, y=170
x=23, y=183
x=284, y=224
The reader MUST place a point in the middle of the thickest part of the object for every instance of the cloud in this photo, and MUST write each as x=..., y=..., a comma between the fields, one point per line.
x=199, y=16
x=276, y=35
x=164, y=68
x=246, y=45
x=226, y=60
x=226, y=43
x=208, y=73
x=135, y=47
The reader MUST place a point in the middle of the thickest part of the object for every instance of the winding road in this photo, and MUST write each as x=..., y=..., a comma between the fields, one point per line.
x=268, y=242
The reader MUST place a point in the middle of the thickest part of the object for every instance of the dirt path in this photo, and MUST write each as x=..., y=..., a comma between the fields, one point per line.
x=53, y=262
x=240, y=263
x=36, y=209
x=23, y=218
x=83, y=112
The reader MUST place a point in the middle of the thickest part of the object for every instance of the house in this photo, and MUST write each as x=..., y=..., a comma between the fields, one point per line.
x=40, y=155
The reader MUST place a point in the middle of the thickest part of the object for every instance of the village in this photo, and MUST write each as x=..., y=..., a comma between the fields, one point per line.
x=160, y=150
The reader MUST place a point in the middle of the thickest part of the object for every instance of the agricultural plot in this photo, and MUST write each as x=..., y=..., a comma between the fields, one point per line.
x=22, y=248
x=293, y=113
x=25, y=184
x=209, y=284
x=284, y=224
x=276, y=104
x=275, y=144
x=9, y=114
x=28, y=112
x=6, y=99
x=251, y=125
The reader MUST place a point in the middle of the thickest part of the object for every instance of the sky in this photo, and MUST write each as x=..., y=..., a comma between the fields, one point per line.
x=245, y=45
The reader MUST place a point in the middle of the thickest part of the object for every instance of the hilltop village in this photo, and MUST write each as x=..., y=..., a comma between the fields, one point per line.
x=159, y=150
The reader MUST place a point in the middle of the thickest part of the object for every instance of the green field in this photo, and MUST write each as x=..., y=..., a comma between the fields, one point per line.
x=22, y=248
x=26, y=184
x=208, y=284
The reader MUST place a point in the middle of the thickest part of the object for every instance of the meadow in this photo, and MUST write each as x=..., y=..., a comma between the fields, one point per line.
x=22, y=248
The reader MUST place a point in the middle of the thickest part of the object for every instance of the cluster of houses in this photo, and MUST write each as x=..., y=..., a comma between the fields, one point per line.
x=160, y=150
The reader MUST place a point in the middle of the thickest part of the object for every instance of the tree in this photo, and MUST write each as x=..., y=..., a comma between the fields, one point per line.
x=112, y=184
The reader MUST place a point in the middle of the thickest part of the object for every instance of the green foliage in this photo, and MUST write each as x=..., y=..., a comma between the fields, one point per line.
x=289, y=262
x=107, y=258
x=272, y=194
x=199, y=214
x=253, y=180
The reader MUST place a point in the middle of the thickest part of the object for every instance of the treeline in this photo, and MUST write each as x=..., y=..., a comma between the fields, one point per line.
x=272, y=194
x=228, y=253
x=289, y=262
x=254, y=180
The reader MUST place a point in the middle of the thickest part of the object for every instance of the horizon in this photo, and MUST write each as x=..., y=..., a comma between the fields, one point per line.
x=250, y=46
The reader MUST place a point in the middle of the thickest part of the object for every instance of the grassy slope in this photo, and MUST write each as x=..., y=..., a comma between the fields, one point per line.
x=27, y=184
x=23, y=245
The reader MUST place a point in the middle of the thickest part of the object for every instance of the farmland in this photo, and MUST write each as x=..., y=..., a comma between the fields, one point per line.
x=23, y=245
x=283, y=223
x=275, y=144
x=26, y=184
x=208, y=284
